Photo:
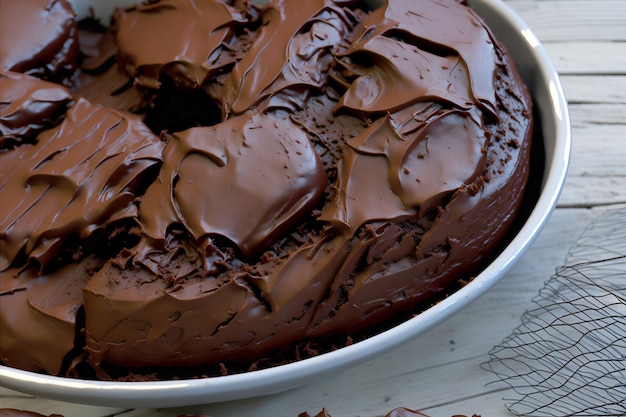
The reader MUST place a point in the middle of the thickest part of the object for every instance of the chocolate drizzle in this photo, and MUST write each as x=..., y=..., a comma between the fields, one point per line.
x=399, y=74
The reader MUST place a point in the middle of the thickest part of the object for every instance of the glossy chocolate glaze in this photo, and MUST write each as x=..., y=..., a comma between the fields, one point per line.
x=28, y=105
x=264, y=170
x=186, y=38
x=361, y=164
x=38, y=314
x=77, y=177
x=48, y=47
x=99, y=79
x=442, y=26
x=291, y=54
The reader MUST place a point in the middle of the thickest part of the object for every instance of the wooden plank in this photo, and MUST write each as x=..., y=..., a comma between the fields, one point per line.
x=574, y=21
x=20, y=401
x=598, y=150
x=611, y=115
x=589, y=191
x=601, y=58
x=596, y=174
x=587, y=89
x=360, y=394
x=491, y=403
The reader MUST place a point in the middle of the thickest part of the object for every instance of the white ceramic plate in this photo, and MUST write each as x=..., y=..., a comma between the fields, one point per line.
x=542, y=78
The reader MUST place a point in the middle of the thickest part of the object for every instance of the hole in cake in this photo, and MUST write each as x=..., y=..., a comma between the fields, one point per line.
x=174, y=109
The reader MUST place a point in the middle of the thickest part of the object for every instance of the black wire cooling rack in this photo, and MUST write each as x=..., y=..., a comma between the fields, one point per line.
x=568, y=356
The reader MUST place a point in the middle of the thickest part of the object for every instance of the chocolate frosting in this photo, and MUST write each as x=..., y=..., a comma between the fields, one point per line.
x=28, y=105
x=291, y=54
x=51, y=48
x=38, y=315
x=263, y=175
x=196, y=320
x=442, y=26
x=401, y=74
x=188, y=34
x=78, y=177
x=99, y=80
x=110, y=89
x=387, y=173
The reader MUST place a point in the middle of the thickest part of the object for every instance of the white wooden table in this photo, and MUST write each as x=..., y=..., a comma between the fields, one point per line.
x=439, y=373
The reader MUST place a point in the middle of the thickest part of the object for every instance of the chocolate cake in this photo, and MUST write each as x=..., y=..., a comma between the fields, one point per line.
x=219, y=187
